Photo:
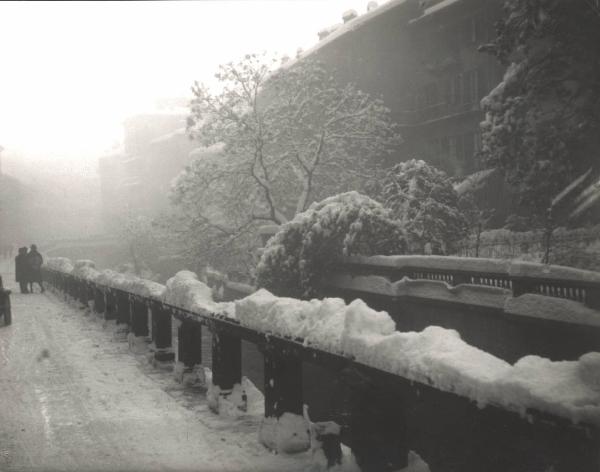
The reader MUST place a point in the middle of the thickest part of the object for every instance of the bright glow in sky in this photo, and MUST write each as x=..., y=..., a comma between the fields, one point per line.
x=70, y=72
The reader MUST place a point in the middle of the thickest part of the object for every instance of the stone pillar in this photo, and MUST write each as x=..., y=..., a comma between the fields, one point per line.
x=283, y=383
x=592, y=296
x=521, y=286
x=139, y=317
x=110, y=308
x=82, y=292
x=375, y=421
x=284, y=428
x=161, y=333
x=99, y=301
x=62, y=284
x=190, y=344
x=72, y=287
x=226, y=361
x=461, y=278
x=123, y=307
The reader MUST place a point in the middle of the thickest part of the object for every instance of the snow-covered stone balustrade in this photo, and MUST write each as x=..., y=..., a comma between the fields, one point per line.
x=508, y=308
x=461, y=409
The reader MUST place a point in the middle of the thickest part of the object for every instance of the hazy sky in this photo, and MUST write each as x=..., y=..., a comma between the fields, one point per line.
x=70, y=72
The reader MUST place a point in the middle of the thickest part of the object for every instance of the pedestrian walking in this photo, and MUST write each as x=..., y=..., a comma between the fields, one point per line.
x=35, y=261
x=22, y=269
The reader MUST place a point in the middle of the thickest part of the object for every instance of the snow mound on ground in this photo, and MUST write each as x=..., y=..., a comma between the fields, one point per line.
x=60, y=264
x=289, y=433
x=434, y=356
x=184, y=290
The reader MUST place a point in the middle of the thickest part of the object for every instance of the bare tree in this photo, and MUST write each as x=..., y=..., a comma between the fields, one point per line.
x=277, y=139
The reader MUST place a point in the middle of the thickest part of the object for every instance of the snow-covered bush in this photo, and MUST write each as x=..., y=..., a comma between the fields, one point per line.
x=423, y=199
x=300, y=253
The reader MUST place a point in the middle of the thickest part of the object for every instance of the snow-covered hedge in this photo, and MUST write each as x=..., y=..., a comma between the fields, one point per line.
x=299, y=254
x=434, y=356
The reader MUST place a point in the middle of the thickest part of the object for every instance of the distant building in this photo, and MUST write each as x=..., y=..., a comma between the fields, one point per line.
x=137, y=177
x=14, y=205
x=421, y=57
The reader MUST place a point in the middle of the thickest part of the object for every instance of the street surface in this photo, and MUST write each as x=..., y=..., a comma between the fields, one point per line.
x=74, y=397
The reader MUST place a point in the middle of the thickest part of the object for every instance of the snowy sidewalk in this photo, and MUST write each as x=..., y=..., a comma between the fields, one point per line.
x=73, y=397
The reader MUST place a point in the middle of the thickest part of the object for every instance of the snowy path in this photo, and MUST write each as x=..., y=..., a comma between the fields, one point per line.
x=73, y=397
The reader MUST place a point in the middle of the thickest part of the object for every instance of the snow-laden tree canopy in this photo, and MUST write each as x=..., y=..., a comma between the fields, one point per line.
x=422, y=198
x=542, y=122
x=299, y=254
x=276, y=140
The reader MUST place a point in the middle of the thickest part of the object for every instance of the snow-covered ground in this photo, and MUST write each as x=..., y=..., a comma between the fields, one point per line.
x=74, y=397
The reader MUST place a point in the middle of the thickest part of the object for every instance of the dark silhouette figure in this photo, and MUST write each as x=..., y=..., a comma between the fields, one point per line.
x=35, y=261
x=22, y=271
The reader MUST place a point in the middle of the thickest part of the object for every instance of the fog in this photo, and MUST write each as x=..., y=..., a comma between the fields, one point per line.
x=72, y=72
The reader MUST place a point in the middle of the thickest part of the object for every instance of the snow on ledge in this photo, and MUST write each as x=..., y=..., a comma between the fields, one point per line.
x=434, y=356
x=548, y=271
x=474, y=264
x=481, y=295
x=551, y=308
x=504, y=267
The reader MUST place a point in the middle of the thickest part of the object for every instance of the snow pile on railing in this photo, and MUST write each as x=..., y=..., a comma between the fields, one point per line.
x=60, y=264
x=132, y=284
x=184, y=290
x=86, y=269
x=434, y=356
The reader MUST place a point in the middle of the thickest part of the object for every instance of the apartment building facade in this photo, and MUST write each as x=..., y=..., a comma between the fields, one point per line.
x=422, y=58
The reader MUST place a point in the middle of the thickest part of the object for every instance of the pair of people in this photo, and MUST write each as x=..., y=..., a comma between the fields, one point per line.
x=28, y=269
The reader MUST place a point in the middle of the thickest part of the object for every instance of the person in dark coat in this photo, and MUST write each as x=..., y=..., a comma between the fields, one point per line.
x=35, y=261
x=22, y=269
